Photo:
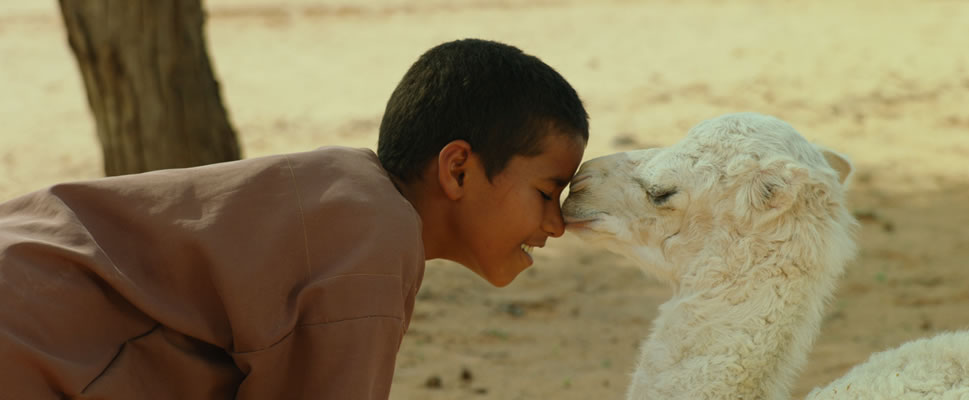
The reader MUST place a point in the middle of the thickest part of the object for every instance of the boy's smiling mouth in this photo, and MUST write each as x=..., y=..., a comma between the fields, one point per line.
x=528, y=249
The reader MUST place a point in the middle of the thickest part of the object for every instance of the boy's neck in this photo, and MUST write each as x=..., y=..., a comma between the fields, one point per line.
x=428, y=203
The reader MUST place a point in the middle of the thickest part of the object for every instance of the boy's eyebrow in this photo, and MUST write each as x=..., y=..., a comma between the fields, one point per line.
x=560, y=182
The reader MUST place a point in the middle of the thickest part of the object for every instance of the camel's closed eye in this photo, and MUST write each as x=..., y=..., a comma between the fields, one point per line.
x=659, y=196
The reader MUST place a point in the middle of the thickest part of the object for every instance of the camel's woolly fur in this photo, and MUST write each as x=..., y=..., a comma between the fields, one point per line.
x=933, y=368
x=747, y=221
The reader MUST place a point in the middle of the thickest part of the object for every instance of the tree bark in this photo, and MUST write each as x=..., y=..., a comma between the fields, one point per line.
x=149, y=83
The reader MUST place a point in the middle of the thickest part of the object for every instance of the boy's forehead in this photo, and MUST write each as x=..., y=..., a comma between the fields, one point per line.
x=563, y=147
x=560, y=157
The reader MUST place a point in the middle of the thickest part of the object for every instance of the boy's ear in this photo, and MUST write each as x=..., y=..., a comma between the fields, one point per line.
x=452, y=166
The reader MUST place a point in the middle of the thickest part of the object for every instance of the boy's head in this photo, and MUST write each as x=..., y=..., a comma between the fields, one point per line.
x=492, y=95
x=493, y=136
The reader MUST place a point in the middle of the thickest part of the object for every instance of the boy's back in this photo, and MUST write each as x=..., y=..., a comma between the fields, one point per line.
x=135, y=287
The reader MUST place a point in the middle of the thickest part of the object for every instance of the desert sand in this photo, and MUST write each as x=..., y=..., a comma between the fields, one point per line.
x=884, y=82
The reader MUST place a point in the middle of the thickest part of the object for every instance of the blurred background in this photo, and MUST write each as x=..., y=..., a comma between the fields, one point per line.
x=884, y=82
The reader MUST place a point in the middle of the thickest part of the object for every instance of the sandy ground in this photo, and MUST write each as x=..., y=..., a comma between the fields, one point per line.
x=885, y=82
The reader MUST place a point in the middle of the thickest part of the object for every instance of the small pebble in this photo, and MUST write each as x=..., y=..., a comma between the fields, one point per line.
x=434, y=382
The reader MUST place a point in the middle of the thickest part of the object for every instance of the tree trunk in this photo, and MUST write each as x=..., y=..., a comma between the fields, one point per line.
x=155, y=99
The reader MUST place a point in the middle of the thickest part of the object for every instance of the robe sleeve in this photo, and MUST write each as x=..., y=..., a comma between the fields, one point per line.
x=351, y=359
x=348, y=352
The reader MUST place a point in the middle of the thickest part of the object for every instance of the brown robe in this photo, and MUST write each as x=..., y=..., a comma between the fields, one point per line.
x=283, y=277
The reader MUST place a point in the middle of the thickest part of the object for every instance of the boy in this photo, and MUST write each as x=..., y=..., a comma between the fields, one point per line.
x=290, y=276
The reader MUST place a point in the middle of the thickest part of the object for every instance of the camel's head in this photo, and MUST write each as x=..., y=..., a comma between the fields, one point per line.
x=735, y=184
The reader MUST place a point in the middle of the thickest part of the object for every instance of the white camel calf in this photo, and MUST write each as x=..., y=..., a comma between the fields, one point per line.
x=747, y=221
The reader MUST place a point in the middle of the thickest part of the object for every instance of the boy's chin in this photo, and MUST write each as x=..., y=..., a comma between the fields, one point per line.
x=499, y=273
x=497, y=278
x=501, y=281
x=504, y=277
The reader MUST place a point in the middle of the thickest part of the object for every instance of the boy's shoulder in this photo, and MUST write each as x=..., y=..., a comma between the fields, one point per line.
x=351, y=174
x=348, y=190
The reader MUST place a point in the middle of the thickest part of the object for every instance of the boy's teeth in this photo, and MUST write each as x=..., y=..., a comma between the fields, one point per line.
x=527, y=248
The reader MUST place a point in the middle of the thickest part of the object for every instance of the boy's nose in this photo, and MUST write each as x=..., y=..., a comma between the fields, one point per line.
x=554, y=225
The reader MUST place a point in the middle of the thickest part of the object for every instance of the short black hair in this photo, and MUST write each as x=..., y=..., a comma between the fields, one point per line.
x=492, y=95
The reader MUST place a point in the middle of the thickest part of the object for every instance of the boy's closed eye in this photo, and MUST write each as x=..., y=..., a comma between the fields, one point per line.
x=559, y=185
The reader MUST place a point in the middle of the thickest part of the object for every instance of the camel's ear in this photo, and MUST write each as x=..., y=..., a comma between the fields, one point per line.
x=770, y=188
x=839, y=163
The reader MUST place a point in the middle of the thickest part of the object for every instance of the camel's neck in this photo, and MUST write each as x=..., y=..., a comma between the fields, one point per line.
x=734, y=332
